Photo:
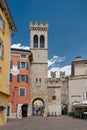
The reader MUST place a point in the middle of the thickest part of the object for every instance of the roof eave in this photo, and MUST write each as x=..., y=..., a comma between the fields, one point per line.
x=8, y=15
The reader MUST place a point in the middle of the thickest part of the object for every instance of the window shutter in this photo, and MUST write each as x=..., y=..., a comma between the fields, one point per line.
x=18, y=64
x=27, y=65
x=3, y=27
x=18, y=77
x=10, y=77
x=11, y=64
x=27, y=79
x=2, y=51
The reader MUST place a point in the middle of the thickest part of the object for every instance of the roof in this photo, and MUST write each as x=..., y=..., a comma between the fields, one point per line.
x=5, y=8
x=80, y=62
x=18, y=49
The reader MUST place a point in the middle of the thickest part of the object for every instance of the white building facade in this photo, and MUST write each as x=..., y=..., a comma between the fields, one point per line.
x=78, y=82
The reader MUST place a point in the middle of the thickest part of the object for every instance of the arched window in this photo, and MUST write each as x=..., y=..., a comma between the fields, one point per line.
x=41, y=41
x=35, y=41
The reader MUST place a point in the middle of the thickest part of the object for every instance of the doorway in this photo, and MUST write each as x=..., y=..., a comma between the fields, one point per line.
x=38, y=107
x=64, y=109
x=24, y=110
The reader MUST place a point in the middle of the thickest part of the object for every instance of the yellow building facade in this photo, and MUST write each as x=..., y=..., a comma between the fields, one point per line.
x=7, y=26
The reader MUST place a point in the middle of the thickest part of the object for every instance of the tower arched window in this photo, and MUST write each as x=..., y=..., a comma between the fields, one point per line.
x=35, y=41
x=41, y=41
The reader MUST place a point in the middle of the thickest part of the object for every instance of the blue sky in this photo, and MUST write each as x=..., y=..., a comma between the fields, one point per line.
x=67, y=26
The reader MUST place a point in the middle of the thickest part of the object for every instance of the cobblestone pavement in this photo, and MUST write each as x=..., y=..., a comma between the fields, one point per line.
x=46, y=123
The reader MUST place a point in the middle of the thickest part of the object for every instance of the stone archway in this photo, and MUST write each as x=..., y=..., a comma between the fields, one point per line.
x=38, y=107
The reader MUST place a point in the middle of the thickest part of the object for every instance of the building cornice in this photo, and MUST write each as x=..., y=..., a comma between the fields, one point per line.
x=19, y=50
x=54, y=87
x=78, y=77
x=39, y=63
x=5, y=9
x=38, y=49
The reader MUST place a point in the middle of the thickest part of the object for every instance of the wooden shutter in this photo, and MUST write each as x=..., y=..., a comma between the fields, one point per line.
x=18, y=64
x=18, y=77
x=11, y=64
x=10, y=77
x=27, y=79
x=27, y=65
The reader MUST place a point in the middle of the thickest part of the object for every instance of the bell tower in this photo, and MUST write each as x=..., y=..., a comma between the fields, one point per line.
x=39, y=41
x=39, y=65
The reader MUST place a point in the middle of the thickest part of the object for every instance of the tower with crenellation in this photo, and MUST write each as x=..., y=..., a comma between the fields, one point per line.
x=39, y=65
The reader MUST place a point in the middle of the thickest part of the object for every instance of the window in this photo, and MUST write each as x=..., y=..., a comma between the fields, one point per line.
x=2, y=24
x=22, y=92
x=38, y=82
x=41, y=41
x=35, y=41
x=23, y=56
x=23, y=78
x=23, y=65
x=1, y=49
x=53, y=97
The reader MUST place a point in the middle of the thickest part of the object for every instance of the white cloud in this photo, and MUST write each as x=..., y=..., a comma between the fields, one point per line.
x=19, y=46
x=54, y=65
x=55, y=59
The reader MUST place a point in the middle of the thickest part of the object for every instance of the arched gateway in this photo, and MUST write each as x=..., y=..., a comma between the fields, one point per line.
x=38, y=107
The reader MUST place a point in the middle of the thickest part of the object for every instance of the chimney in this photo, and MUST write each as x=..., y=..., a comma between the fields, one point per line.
x=78, y=58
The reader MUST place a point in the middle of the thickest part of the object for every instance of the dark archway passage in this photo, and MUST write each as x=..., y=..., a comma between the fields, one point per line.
x=38, y=107
x=64, y=109
x=24, y=110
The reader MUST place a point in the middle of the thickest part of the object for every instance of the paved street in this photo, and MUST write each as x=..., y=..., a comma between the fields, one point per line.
x=46, y=123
